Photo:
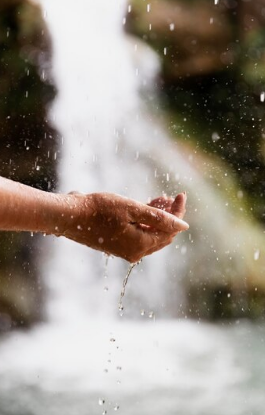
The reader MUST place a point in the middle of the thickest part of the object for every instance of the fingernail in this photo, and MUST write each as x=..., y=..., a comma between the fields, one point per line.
x=183, y=224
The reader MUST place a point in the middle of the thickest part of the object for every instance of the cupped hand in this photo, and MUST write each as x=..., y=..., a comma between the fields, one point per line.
x=120, y=226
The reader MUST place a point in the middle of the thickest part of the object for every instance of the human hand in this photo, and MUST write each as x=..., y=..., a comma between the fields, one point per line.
x=120, y=226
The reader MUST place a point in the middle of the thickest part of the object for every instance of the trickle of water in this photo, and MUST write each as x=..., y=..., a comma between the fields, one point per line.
x=106, y=263
x=125, y=281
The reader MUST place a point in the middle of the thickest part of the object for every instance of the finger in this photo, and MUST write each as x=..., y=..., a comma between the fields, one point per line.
x=162, y=202
x=158, y=219
x=178, y=207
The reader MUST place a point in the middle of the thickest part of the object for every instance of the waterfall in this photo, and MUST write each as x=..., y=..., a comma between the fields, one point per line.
x=109, y=143
x=86, y=358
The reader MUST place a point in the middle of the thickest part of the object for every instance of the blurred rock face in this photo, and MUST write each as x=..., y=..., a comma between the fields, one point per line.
x=212, y=80
x=27, y=145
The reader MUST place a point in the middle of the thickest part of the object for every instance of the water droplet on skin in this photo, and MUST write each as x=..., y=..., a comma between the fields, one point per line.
x=31, y=233
x=106, y=289
x=101, y=240
x=79, y=227
x=256, y=254
x=148, y=8
x=101, y=401
x=262, y=96
x=171, y=27
x=165, y=51
x=116, y=408
x=119, y=368
x=151, y=314
x=104, y=413
x=216, y=2
x=112, y=339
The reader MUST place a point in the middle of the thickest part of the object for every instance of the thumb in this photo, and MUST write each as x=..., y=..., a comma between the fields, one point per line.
x=178, y=207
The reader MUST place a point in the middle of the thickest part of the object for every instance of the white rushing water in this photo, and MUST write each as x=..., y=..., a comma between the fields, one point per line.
x=87, y=359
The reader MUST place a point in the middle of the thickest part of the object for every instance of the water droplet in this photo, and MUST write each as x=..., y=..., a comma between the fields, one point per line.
x=171, y=27
x=183, y=250
x=116, y=408
x=142, y=312
x=101, y=401
x=256, y=254
x=101, y=240
x=106, y=289
x=148, y=7
x=216, y=2
x=165, y=51
x=79, y=227
x=151, y=314
x=31, y=233
x=112, y=339
x=215, y=137
x=211, y=20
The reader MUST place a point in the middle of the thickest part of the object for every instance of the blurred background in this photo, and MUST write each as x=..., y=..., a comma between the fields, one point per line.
x=142, y=98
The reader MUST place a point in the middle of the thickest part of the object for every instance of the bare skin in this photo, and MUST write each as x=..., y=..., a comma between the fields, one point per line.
x=103, y=221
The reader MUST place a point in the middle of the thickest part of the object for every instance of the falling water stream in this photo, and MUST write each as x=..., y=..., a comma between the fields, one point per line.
x=86, y=359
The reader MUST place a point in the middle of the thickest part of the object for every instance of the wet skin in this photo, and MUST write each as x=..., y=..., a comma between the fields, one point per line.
x=103, y=221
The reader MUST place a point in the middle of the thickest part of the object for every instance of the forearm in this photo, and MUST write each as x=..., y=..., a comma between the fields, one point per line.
x=23, y=208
